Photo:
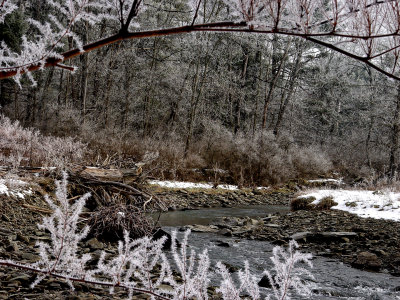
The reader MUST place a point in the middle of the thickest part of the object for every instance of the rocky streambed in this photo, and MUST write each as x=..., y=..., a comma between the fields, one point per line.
x=364, y=243
x=367, y=244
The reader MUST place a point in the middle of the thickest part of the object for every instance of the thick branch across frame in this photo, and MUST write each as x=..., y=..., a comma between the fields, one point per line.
x=228, y=26
x=210, y=27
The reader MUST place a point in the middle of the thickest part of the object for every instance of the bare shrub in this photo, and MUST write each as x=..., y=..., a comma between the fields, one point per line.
x=325, y=203
x=310, y=161
x=25, y=146
x=263, y=159
x=302, y=203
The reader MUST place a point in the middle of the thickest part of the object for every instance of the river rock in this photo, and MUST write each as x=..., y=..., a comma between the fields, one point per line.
x=225, y=232
x=30, y=257
x=222, y=244
x=94, y=244
x=338, y=235
x=301, y=235
x=265, y=282
x=368, y=260
x=12, y=247
x=202, y=228
x=168, y=242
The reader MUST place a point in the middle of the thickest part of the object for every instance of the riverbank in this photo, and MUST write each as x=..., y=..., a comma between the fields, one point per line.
x=367, y=244
x=186, y=199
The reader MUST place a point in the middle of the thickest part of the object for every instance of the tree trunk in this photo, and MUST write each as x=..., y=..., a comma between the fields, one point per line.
x=394, y=145
x=292, y=81
x=275, y=72
x=240, y=97
x=194, y=102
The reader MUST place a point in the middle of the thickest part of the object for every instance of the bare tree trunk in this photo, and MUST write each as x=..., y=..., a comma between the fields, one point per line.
x=194, y=102
x=275, y=71
x=149, y=90
x=394, y=145
x=372, y=120
x=239, y=98
x=292, y=81
x=84, y=76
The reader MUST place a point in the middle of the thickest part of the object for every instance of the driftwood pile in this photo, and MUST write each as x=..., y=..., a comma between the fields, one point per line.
x=118, y=201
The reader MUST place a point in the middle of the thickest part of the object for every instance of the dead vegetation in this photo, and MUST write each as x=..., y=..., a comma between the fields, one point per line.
x=306, y=203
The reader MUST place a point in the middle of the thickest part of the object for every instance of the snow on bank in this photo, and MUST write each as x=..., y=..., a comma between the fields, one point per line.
x=327, y=180
x=13, y=187
x=366, y=204
x=191, y=185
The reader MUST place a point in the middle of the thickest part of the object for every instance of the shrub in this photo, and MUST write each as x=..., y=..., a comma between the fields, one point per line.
x=325, y=203
x=25, y=146
x=302, y=203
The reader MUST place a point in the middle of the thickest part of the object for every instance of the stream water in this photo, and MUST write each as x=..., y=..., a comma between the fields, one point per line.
x=332, y=279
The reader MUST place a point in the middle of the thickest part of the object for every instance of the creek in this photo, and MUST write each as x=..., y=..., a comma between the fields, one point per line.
x=332, y=278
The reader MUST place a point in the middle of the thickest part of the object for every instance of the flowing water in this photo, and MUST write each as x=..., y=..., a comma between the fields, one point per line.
x=332, y=279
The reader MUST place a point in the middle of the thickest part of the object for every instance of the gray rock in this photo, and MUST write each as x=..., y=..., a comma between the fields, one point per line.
x=30, y=257
x=202, y=228
x=271, y=225
x=265, y=282
x=301, y=235
x=12, y=247
x=338, y=234
x=22, y=238
x=22, y=278
x=225, y=232
x=222, y=244
x=368, y=260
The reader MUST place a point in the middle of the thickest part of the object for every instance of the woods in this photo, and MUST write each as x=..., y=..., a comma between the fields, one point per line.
x=212, y=99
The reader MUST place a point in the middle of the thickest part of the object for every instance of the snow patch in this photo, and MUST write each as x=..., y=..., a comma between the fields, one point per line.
x=193, y=185
x=3, y=187
x=12, y=187
x=366, y=204
x=190, y=185
x=327, y=180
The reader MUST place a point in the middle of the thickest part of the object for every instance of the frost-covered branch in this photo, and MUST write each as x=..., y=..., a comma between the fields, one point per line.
x=365, y=30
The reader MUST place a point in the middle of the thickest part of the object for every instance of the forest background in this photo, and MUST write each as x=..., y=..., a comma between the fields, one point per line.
x=264, y=108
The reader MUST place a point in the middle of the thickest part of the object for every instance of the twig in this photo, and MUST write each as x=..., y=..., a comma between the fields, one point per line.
x=38, y=209
x=81, y=280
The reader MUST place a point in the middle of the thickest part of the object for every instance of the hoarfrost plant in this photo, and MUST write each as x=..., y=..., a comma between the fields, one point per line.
x=61, y=256
x=20, y=146
x=137, y=262
x=287, y=273
x=248, y=283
